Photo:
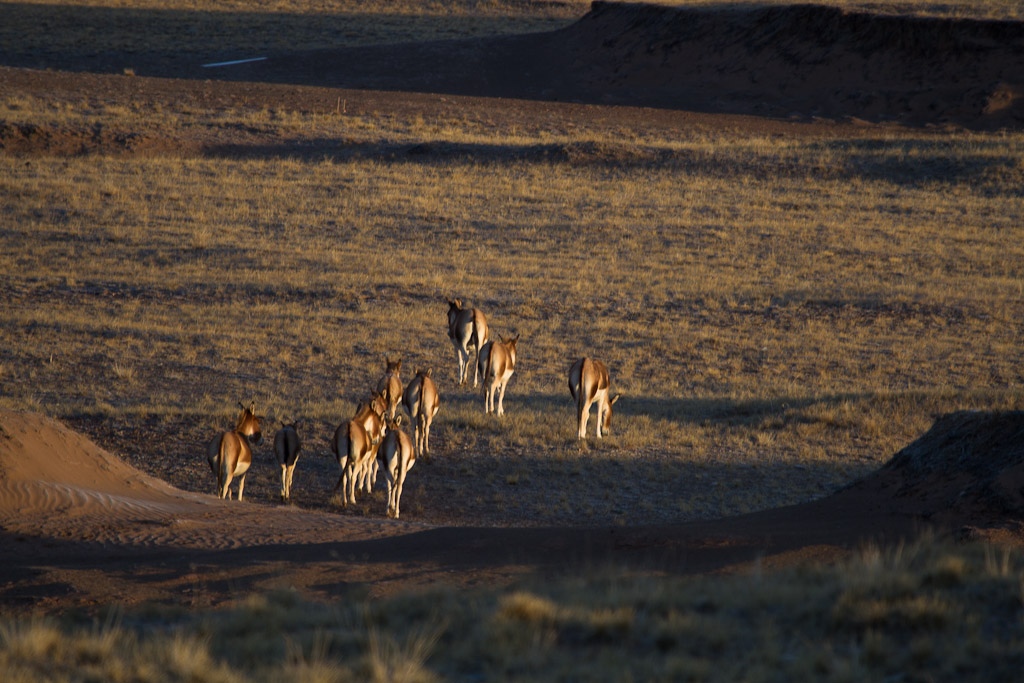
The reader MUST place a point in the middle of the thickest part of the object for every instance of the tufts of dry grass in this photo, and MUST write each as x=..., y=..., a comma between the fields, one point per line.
x=927, y=611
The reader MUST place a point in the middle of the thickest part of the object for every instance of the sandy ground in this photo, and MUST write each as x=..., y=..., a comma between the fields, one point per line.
x=80, y=527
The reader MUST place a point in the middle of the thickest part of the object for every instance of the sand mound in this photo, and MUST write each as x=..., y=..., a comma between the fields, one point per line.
x=797, y=61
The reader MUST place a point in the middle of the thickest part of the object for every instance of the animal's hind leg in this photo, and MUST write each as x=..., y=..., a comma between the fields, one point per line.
x=501, y=399
x=463, y=364
x=291, y=473
x=583, y=415
x=350, y=485
x=241, y=486
x=489, y=398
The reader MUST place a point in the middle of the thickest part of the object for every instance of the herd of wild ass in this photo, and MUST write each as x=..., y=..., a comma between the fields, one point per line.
x=373, y=438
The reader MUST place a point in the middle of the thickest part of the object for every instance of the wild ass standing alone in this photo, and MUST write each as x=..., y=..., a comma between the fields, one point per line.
x=230, y=453
x=397, y=456
x=421, y=400
x=467, y=328
x=286, y=448
x=589, y=382
x=497, y=362
x=355, y=447
x=390, y=385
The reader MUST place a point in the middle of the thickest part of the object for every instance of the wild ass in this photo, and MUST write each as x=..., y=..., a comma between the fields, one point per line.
x=355, y=446
x=390, y=385
x=421, y=400
x=467, y=328
x=589, y=382
x=397, y=456
x=230, y=453
x=286, y=448
x=497, y=361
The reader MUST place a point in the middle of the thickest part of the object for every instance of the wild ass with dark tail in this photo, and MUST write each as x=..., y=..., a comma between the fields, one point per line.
x=467, y=329
x=230, y=453
x=589, y=382
x=497, y=361
x=286, y=448
x=421, y=400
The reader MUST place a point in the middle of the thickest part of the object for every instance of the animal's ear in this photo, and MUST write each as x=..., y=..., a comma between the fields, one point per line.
x=241, y=406
x=617, y=397
x=429, y=370
x=398, y=365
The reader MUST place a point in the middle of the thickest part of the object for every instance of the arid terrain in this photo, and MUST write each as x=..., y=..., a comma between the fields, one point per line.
x=84, y=523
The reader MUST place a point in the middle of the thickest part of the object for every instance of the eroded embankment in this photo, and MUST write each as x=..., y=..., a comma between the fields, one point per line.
x=800, y=61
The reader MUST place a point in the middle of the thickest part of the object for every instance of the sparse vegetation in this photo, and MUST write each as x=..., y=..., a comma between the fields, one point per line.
x=920, y=612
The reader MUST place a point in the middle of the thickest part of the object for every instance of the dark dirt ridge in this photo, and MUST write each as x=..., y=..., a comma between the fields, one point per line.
x=798, y=61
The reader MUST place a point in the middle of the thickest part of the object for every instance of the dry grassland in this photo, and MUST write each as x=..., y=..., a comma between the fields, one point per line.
x=781, y=314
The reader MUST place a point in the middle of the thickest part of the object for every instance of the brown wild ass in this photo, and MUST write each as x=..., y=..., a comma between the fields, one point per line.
x=230, y=453
x=373, y=420
x=355, y=446
x=421, y=400
x=390, y=385
x=589, y=382
x=497, y=362
x=467, y=329
x=286, y=448
x=396, y=456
